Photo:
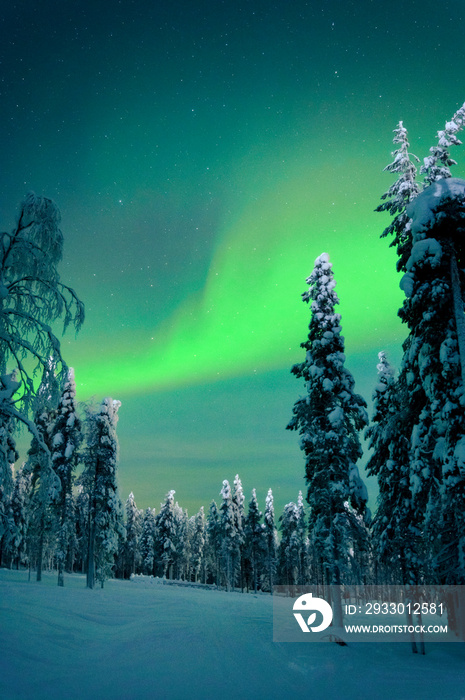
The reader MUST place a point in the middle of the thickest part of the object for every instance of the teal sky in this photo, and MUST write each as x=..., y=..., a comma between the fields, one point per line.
x=203, y=155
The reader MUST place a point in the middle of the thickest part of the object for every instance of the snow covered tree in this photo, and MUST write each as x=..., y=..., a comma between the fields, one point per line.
x=20, y=518
x=44, y=482
x=198, y=544
x=147, y=541
x=99, y=479
x=8, y=456
x=254, y=543
x=213, y=543
x=133, y=532
x=289, y=552
x=399, y=194
x=433, y=369
x=229, y=535
x=396, y=537
x=181, y=543
x=32, y=296
x=436, y=166
x=166, y=533
x=271, y=540
x=329, y=419
x=238, y=499
x=65, y=439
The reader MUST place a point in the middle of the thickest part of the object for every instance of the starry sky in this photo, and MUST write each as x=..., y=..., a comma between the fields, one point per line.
x=203, y=154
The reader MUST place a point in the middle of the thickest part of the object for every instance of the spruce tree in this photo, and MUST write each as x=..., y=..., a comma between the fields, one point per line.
x=213, y=543
x=198, y=544
x=271, y=540
x=254, y=541
x=133, y=528
x=289, y=552
x=165, y=534
x=65, y=439
x=328, y=420
x=238, y=499
x=45, y=484
x=400, y=193
x=147, y=542
x=396, y=537
x=20, y=517
x=105, y=527
x=229, y=535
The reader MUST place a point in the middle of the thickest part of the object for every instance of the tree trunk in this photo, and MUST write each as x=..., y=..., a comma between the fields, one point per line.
x=40, y=552
x=458, y=309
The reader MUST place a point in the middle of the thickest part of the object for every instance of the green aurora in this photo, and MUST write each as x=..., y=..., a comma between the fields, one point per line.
x=202, y=157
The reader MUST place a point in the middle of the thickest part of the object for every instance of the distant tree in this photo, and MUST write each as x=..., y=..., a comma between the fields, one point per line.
x=289, y=552
x=213, y=542
x=198, y=544
x=147, y=541
x=99, y=479
x=181, y=543
x=229, y=535
x=166, y=533
x=65, y=441
x=328, y=419
x=20, y=518
x=254, y=543
x=133, y=533
x=238, y=499
x=271, y=540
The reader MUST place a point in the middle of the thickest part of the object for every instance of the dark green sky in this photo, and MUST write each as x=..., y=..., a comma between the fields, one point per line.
x=203, y=155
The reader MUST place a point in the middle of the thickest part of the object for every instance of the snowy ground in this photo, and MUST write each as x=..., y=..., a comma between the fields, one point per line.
x=131, y=641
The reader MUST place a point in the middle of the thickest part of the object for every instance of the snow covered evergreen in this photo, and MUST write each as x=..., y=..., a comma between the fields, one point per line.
x=271, y=541
x=99, y=479
x=65, y=439
x=328, y=419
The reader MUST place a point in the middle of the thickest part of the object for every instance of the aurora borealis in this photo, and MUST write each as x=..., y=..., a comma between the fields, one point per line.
x=203, y=155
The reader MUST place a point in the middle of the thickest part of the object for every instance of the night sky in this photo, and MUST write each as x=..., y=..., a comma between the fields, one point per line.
x=203, y=154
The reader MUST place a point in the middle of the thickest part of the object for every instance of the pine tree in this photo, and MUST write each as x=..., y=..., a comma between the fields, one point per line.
x=45, y=483
x=436, y=166
x=289, y=552
x=165, y=537
x=400, y=193
x=254, y=542
x=133, y=533
x=396, y=537
x=238, y=499
x=100, y=481
x=213, y=543
x=271, y=540
x=198, y=543
x=65, y=439
x=20, y=517
x=229, y=535
x=328, y=419
x=147, y=542
x=434, y=369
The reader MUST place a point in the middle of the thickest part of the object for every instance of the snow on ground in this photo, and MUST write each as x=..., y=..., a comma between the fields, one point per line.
x=131, y=641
